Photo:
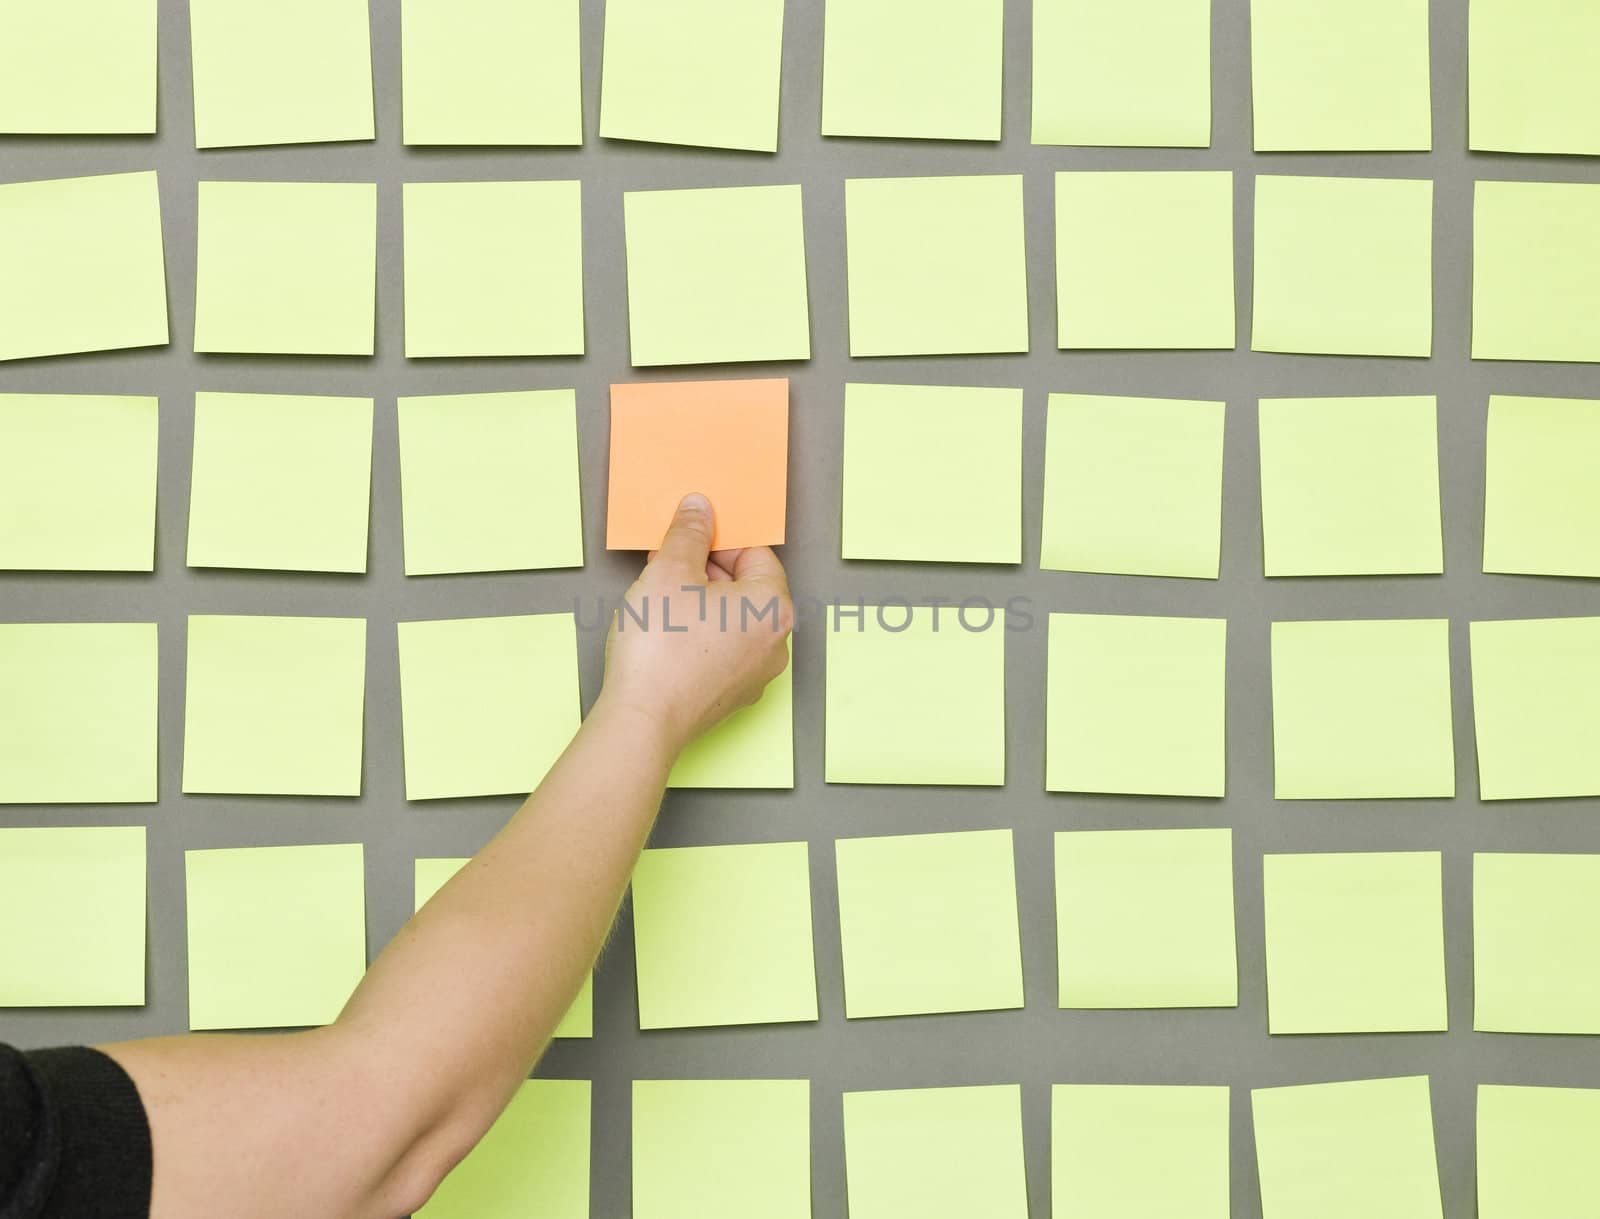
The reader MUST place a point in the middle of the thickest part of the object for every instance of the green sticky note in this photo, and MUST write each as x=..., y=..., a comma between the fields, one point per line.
x=487, y=705
x=286, y=268
x=77, y=482
x=1535, y=936
x=277, y=935
x=533, y=1161
x=430, y=876
x=84, y=266
x=78, y=713
x=1144, y=918
x=1136, y=706
x=1536, y=271
x=937, y=266
x=752, y=748
x=722, y=935
x=1341, y=75
x=1344, y=266
x=280, y=483
x=72, y=917
x=698, y=72
x=1532, y=83
x=489, y=482
x=1144, y=260
x=928, y=923
x=1361, y=710
x=491, y=72
x=1542, y=500
x=1355, y=942
x=916, y=695
x=494, y=268
x=1133, y=486
x=716, y=276
x=289, y=72
x=274, y=706
x=1536, y=1152
x=1136, y=73
x=916, y=69
x=1138, y=1152
x=932, y=473
x=721, y=1148
x=77, y=67
x=935, y=1153
x=1536, y=706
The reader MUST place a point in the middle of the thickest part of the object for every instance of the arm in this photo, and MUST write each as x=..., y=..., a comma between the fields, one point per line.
x=365, y=1117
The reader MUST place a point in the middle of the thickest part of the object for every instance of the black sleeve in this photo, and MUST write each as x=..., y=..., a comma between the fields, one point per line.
x=74, y=1139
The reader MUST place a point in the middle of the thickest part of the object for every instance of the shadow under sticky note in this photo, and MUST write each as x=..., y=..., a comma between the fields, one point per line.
x=82, y=68
x=1535, y=937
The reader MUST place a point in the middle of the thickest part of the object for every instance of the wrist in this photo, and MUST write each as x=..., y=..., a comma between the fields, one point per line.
x=647, y=730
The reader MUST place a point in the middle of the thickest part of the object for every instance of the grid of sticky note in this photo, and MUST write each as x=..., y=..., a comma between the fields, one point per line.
x=931, y=468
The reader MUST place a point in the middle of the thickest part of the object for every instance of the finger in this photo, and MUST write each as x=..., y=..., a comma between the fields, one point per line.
x=759, y=565
x=717, y=573
x=726, y=559
x=688, y=541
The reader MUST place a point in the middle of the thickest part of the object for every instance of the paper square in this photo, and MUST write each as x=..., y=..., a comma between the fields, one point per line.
x=77, y=482
x=85, y=269
x=1536, y=271
x=1355, y=942
x=277, y=935
x=1535, y=937
x=77, y=67
x=937, y=266
x=1536, y=1151
x=932, y=473
x=487, y=705
x=1542, y=500
x=274, y=706
x=722, y=935
x=287, y=268
x=1350, y=486
x=1344, y=266
x=752, y=748
x=1531, y=77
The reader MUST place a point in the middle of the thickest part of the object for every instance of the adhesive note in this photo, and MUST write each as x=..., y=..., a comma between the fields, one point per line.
x=935, y=1153
x=1536, y=1151
x=77, y=67
x=487, y=705
x=430, y=876
x=1136, y=74
x=287, y=268
x=915, y=69
x=728, y=440
x=1535, y=936
x=1355, y=942
x=1536, y=271
x=1542, y=502
x=932, y=473
x=1341, y=75
x=1536, y=706
x=494, y=268
x=489, y=482
x=1144, y=260
x=716, y=276
x=478, y=72
x=533, y=1161
x=1532, y=83
x=277, y=935
x=698, y=72
x=722, y=935
x=1361, y=710
x=289, y=72
x=1344, y=266
x=77, y=482
x=1357, y=1150
x=1133, y=486
x=721, y=1148
x=85, y=268
x=1350, y=486
x=928, y=923
x=280, y=482
x=78, y=713
x=1136, y=706
x=274, y=706
x=1138, y=1152
x=917, y=695
x=1144, y=918
x=752, y=748
x=72, y=917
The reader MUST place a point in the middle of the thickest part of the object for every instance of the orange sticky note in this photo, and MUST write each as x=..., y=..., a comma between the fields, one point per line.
x=728, y=440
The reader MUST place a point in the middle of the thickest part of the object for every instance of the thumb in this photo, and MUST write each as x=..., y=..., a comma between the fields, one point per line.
x=688, y=541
